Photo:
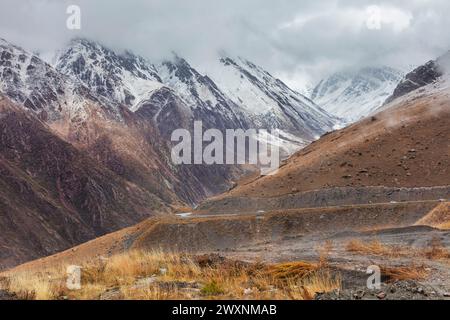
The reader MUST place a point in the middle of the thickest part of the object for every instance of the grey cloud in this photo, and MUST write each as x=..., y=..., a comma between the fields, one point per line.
x=297, y=40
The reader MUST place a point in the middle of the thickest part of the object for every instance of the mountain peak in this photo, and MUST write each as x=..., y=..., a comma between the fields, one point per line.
x=354, y=94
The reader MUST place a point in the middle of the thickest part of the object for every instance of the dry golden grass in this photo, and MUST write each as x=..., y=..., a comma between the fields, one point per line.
x=435, y=251
x=317, y=282
x=404, y=273
x=162, y=275
x=292, y=270
x=374, y=247
x=29, y=287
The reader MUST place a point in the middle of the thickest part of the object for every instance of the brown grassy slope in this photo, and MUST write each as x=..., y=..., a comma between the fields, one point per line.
x=112, y=243
x=52, y=196
x=407, y=145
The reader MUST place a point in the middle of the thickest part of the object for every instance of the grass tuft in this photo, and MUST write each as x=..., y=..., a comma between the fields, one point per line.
x=212, y=288
x=404, y=273
x=435, y=251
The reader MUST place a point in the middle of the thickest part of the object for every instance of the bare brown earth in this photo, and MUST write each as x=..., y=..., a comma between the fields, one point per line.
x=293, y=235
x=330, y=197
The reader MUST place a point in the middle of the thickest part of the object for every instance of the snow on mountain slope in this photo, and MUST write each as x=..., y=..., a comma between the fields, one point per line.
x=234, y=94
x=129, y=80
x=120, y=78
x=249, y=97
x=268, y=101
x=352, y=95
x=206, y=101
x=194, y=88
x=101, y=127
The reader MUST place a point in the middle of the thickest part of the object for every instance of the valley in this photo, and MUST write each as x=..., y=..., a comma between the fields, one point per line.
x=95, y=187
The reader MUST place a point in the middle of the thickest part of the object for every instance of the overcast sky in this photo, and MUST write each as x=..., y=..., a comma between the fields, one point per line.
x=297, y=40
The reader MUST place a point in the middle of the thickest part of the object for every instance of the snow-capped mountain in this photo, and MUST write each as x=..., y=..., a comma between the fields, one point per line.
x=98, y=124
x=352, y=95
x=235, y=94
x=106, y=103
x=172, y=95
x=122, y=78
x=269, y=102
x=201, y=95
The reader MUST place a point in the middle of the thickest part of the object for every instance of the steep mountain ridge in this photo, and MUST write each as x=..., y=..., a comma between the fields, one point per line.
x=269, y=102
x=122, y=78
x=36, y=85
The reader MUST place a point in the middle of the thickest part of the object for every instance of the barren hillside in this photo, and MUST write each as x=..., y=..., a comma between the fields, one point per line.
x=406, y=145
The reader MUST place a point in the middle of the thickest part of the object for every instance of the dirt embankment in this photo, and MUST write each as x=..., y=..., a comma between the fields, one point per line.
x=228, y=232
x=322, y=198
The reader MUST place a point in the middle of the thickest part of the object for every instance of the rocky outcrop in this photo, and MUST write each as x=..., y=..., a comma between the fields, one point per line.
x=421, y=76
